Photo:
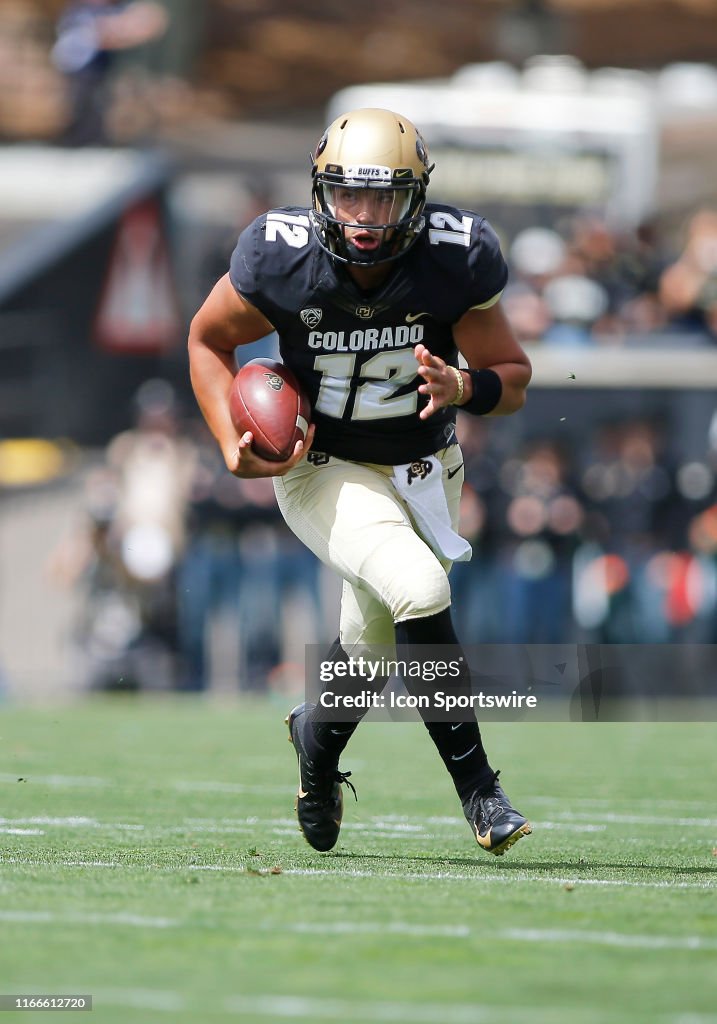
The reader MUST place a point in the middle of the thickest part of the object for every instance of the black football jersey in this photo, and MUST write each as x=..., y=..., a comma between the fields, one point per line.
x=352, y=351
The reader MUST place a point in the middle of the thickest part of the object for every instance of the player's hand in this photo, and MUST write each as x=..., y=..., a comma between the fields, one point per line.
x=244, y=462
x=439, y=381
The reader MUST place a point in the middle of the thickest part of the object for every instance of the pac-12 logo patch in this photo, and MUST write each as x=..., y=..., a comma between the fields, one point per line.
x=311, y=316
x=419, y=470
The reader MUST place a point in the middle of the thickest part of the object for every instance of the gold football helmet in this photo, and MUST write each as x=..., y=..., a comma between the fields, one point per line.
x=370, y=149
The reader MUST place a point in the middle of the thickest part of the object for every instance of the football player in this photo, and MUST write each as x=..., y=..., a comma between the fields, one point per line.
x=373, y=293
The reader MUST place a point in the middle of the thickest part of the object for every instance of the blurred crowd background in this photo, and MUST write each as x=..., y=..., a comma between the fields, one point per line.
x=137, y=139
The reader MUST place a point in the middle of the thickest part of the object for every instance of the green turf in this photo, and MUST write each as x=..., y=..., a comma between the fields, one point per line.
x=162, y=875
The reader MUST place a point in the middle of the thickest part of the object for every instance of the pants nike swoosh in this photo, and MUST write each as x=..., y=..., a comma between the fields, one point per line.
x=452, y=472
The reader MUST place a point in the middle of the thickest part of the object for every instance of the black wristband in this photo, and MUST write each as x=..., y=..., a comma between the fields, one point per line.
x=487, y=390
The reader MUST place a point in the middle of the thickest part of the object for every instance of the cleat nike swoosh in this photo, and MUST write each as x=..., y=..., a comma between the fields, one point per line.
x=459, y=757
x=486, y=840
x=456, y=726
x=452, y=472
x=301, y=794
x=410, y=317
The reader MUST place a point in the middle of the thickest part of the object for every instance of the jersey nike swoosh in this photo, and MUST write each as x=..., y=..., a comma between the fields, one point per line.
x=410, y=317
x=452, y=472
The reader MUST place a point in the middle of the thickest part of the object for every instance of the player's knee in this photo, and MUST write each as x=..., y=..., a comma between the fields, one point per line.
x=406, y=577
x=422, y=594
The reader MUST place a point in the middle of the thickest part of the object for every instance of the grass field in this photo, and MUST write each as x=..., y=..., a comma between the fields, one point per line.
x=150, y=857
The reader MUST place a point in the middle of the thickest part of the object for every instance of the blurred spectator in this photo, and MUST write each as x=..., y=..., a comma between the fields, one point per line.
x=535, y=256
x=89, y=35
x=541, y=519
x=32, y=102
x=610, y=543
x=473, y=583
x=630, y=487
x=576, y=303
x=688, y=288
x=153, y=464
x=126, y=554
x=241, y=562
x=586, y=284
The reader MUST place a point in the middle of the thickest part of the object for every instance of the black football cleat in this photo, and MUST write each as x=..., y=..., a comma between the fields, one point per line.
x=319, y=801
x=496, y=825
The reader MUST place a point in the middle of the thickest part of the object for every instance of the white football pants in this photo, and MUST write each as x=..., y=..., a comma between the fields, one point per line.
x=350, y=515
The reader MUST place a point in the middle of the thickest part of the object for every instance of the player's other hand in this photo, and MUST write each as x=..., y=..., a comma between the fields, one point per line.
x=243, y=461
x=439, y=381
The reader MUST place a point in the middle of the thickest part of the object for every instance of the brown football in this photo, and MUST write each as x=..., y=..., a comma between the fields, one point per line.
x=266, y=398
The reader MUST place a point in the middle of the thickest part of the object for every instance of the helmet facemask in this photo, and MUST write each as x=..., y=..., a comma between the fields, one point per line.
x=396, y=224
x=370, y=173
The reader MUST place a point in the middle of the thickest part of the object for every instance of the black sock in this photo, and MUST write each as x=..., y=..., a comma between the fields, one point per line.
x=326, y=738
x=459, y=742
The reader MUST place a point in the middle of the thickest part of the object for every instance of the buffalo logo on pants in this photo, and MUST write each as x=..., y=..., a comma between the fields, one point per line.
x=419, y=470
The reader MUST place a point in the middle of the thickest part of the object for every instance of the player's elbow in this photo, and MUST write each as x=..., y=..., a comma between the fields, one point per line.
x=513, y=400
x=516, y=378
x=194, y=334
x=197, y=337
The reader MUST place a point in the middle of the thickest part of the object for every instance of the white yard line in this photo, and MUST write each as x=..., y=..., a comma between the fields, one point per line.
x=73, y=821
x=509, y=877
x=476, y=878
x=47, y=863
x=593, y=820
x=188, y=786
x=464, y=931
x=49, y=917
x=385, y=1012
x=303, y=1008
x=398, y=828
x=295, y=1007
x=684, y=943
x=430, y=931
x=139, y=999
x=671, y=942
x=71, y=781
x=645, y=819
x=608, y=802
